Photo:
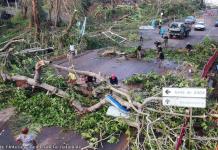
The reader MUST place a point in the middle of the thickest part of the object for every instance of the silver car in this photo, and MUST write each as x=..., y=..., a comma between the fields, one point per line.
x=190, y=20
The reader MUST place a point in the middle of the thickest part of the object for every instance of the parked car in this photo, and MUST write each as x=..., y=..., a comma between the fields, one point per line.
x=190, y=20
x=200, y=26
x=216, y=23
x=179, y=29
x=4, y=15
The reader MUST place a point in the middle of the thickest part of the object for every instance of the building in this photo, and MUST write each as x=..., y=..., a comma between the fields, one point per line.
x=211, y=3
x=10, y=3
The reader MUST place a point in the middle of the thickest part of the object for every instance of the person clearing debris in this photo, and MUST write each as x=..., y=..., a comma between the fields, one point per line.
x=160, y=57
x=141, y=40
x=157, y=44
x=166, y=38
x=138, y=52
x=90, y=81
x=71, y=53
x=189, y=47
x=27, y=140
x=113, y=80
x=72, y=78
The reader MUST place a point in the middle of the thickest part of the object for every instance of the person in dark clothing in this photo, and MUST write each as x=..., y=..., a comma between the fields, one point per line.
x=141, y=40
x=159, y=49
x=189, y=47
x=157, y=43
x=113, y=80
x=160, y=58
x=90, y=81
x=159, y=27
x=138, y=52
x=166, y=38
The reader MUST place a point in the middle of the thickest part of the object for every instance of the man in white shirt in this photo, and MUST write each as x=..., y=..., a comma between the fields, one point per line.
x=73, y=50
x=71, y=53
x=27, y=140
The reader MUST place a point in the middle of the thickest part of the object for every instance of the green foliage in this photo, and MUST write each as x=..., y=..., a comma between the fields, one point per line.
x=95, y=43
x=42, y=12
x=109, y=13
x=199, y=56
x=7, y=34
x=95, y=123
x=112, y=140
x=40, y=110
x=152, y=82
x=22, y=66
x=86, y=4
x=19, y=20
x=45, y=110
x=6, y=93
x=179, y=9
x=51, y=78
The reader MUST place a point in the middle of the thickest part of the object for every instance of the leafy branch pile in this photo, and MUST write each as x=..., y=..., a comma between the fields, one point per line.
x=160, y=131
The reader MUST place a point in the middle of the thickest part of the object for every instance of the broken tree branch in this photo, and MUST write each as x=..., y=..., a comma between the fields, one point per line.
x=175, y=114
x=10, y=43
x=34, y=50
x=205, y=138
x=55, y=91
x=97, y=76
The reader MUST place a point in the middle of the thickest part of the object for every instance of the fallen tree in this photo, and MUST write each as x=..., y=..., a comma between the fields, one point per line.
x=142, y=115
x=136, y=106
x=55, y=91
x=37, y=49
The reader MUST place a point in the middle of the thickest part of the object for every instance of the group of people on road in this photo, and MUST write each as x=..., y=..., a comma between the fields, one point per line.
x=89, y=80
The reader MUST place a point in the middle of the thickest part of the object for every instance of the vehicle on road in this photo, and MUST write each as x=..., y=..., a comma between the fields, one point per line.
x=190, y=20
x=200, y=26
x=216, y=23
x=179, y=29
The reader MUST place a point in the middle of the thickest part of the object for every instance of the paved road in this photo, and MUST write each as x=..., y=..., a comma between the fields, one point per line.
x=125, y=68
x=195, y=37
x=121, y=67
x=7, y=140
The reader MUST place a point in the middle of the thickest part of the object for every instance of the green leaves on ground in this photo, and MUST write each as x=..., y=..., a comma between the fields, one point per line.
x=199, y=56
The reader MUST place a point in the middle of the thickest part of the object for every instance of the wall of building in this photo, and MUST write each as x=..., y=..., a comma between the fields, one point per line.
x=211, y=2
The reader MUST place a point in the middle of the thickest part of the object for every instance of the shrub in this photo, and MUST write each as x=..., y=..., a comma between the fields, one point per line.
x=19, y=20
